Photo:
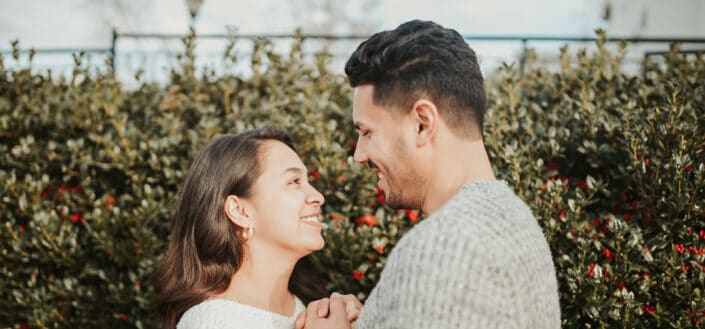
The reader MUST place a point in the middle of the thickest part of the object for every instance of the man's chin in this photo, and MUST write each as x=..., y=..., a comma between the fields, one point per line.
x=394, y=203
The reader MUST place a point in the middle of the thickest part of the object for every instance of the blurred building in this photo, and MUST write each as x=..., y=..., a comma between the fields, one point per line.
x=62, y=28
x=655, y=18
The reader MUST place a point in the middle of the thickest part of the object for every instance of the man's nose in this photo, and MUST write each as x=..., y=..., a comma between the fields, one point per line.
x=360, y=154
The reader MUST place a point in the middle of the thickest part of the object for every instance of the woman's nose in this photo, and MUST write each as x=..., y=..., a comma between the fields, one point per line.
x=315, y=197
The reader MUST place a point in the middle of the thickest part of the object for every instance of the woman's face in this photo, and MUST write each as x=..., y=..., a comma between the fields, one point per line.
x=283, y=206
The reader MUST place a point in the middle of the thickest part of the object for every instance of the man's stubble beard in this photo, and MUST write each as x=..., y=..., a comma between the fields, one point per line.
x=405, y=195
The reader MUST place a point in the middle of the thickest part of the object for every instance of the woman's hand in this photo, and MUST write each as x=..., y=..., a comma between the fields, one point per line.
x=322, y=308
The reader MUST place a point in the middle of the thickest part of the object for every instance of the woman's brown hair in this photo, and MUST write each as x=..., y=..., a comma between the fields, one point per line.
x=205, y=249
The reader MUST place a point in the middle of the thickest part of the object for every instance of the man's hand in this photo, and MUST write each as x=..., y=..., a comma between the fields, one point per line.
x=321, y=308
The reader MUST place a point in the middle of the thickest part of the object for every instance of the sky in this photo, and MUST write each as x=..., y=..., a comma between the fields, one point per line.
x=75, y=24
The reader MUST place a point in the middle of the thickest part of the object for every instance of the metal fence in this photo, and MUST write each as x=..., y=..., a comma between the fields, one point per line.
x=153, y=56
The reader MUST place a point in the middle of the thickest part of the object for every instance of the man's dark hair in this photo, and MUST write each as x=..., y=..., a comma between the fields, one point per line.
x=423, y=59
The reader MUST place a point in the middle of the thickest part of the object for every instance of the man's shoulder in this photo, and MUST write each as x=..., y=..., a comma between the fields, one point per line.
x=484, y=199
x=481, y=216
x=475, y=208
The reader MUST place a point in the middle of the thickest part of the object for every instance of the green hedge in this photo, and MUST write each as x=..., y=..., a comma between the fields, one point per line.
x=611, y=164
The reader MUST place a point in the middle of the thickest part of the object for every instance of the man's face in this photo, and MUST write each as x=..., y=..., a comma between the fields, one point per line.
x=385, y=142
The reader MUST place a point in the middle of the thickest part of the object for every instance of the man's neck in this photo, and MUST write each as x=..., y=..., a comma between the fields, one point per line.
x=465, y=162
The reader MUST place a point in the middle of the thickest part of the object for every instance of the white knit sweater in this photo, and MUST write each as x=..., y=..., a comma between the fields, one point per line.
x=480, y=261
x=228, y=314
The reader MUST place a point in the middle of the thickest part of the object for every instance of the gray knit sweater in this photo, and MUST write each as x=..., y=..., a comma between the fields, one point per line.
x=480, y=261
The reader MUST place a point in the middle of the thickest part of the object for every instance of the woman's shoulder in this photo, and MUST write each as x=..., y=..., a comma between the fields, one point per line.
x=211, y=314
x=228, y=314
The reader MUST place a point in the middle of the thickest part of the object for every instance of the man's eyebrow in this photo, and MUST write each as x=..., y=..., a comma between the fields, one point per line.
x=358, y=125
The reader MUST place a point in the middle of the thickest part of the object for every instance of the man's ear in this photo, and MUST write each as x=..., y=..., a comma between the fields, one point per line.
x=236, y=212
x=426, y=118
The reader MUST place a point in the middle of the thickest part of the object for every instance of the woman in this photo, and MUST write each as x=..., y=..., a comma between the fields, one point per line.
x=246, y=215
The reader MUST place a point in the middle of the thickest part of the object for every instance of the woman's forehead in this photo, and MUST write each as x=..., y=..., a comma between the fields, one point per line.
x=277, y=158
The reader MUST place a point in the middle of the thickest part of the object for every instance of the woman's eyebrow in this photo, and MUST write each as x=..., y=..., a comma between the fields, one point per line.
x=295, y=170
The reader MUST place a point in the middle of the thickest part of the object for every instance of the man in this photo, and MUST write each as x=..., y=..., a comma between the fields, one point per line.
x=480, y=259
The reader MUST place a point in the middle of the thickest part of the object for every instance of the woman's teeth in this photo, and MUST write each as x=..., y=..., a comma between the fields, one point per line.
x=311, y=219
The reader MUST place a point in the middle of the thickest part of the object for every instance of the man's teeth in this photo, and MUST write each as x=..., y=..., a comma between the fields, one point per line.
x=310, y=219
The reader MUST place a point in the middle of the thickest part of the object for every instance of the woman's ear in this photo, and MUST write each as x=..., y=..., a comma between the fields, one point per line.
x=236, y=212
x=426, y=119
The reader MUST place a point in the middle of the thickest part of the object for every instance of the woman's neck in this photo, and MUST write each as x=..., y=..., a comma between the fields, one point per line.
x=262, y=281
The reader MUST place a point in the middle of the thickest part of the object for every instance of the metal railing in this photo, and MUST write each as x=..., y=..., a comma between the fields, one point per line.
x=525, y=42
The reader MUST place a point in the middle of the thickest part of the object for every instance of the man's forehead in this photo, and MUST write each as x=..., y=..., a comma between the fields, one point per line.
x=361, y=119
x=364, y=90
x=362, y=105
